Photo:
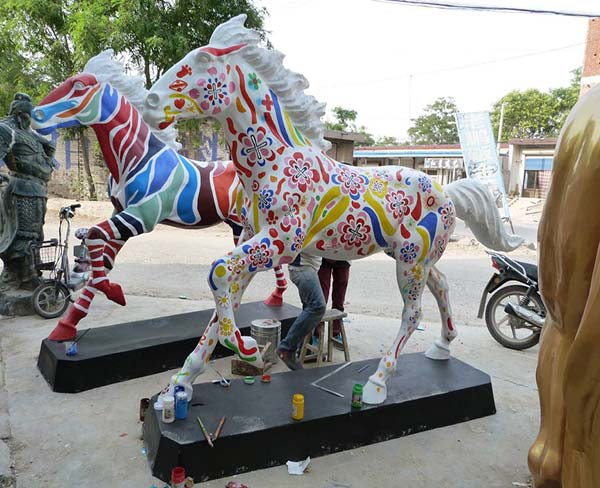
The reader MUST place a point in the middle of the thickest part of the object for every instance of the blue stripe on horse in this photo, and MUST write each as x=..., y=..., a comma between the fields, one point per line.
x=155, y=145
x=186, y=203
x=376, y=227
x=279, y=115
x=163, y=165
x=133, y=221
x=429, y=222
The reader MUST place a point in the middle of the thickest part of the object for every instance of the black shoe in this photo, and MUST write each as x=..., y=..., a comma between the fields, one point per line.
x=290, y=359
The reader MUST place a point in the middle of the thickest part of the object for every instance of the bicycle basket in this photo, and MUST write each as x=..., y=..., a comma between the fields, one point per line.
x=44, y=255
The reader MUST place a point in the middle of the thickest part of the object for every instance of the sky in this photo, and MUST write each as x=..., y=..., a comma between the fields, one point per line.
x=388, y=61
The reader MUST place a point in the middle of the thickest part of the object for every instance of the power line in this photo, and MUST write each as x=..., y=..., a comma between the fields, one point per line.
x=465, y=66
x=491, y=8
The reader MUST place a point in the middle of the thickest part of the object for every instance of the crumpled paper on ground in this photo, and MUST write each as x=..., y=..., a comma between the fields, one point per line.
x=298, y=467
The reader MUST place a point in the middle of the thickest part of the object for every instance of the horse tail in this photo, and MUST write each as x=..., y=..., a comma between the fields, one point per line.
x=475, y=205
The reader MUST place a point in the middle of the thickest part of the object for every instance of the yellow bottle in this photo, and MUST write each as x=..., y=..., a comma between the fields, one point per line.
x=298, y=406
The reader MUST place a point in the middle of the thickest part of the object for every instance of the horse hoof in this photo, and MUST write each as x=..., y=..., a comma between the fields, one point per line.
x=274, y=301
x=115, y=294
x=170, y=390
x=374, y=393
x=438, y=351
x=63, y=332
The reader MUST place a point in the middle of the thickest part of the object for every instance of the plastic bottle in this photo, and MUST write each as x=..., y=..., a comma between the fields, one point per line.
x=357, y=393
x=298, y=406
x=178, y=477
x=181, y=405
x=168, y=411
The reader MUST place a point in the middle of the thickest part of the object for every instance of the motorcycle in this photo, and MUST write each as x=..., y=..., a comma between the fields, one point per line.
x=514, y=314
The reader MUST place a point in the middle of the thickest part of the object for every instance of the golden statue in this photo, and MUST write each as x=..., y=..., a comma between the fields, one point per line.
x=566, y=452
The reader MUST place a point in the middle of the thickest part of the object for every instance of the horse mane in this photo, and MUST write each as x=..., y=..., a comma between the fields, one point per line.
x=304, y=110
x=107, y=69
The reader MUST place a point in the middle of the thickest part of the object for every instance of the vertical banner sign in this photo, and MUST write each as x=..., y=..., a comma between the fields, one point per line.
x=479, y=153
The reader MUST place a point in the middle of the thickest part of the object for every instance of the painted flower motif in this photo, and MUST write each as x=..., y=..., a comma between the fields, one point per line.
x=424, y=183
x=409, y=251
x=439, y=245
x=225, y=327
x=417, y=271
x=217, y=91
x=256, y=146
x=447, y=214
x=235, y=264
x=291, y=211
x=351, y=182
x=223, y=300
x=355, y=232
x=383, y=174
x=378, y=186
x=234, y=287
x=298, y=240
x=300, y=172
x=398, y=204
x=245, y=222
x=413, y=292
x=259, y=254
x=266, y=199
x=254, y=81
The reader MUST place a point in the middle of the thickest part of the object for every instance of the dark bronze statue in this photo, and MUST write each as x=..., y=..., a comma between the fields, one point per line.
x=23, y=193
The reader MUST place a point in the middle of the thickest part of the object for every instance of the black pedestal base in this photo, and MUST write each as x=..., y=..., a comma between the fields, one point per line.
x=260, y=433
x=130, y=350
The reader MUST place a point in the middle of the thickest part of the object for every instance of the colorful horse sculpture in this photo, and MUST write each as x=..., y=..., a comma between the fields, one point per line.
x=149, y=181
x=303, y=200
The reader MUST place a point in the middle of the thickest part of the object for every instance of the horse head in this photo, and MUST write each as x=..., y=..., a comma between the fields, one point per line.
x=74, y=102
x=202, y=84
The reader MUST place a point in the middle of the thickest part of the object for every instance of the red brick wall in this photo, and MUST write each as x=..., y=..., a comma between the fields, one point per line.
x=591, y=62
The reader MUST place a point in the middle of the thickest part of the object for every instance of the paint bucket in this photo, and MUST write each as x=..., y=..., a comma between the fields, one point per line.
x=265, y=331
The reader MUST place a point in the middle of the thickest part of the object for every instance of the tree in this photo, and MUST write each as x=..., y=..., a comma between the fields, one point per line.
x=533, y=113
x=43, y=42
x=437, y=125
x=345, y=120
x=386, y=141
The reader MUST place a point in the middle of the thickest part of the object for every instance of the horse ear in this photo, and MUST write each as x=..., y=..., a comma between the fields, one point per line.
x=203, y=57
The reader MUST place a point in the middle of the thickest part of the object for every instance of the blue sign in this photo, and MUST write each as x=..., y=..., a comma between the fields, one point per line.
x=480, y=154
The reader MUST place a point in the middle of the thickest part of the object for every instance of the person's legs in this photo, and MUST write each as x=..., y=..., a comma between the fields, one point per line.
x=325, y=280
x=338, y=293
x=313, y=309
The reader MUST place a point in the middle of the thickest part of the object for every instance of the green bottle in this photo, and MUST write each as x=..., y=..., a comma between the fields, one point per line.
x=357, y=392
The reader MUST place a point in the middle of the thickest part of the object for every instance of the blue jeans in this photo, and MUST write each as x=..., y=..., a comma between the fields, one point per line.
x=313, y=306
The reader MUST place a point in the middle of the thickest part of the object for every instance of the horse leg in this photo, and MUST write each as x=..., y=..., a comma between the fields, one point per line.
x=66, y=329
x=120, y=226
x=228, y=278
x=437, y=284
x=276, y=298
x=411, y=288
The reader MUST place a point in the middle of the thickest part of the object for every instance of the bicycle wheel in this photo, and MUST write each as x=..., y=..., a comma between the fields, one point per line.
x=51, y=299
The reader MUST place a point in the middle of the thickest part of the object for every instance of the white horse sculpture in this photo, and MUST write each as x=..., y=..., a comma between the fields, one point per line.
x=301, y=199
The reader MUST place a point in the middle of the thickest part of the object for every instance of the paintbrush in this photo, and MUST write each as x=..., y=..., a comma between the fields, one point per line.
x=219, y=427
x=205, y=432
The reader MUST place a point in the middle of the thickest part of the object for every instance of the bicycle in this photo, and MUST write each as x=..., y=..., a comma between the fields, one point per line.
x=54, y=293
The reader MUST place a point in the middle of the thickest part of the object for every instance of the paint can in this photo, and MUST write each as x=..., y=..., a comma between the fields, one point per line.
x=267, y=331
x=181, y=405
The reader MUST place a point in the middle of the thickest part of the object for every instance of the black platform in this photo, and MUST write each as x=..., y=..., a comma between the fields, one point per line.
x=260, y=433
x=120, y=352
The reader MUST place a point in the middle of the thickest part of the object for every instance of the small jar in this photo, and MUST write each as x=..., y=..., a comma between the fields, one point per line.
x=178, y=477
x=168, y=411
x=357, y=393
x=298, y=406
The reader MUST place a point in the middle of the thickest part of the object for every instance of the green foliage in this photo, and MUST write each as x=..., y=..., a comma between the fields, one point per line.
x=345, y=120
x=533, y=113
x=437, y=125
x=386, y=141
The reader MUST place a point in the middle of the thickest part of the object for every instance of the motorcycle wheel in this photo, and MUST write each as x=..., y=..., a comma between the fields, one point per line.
x=51, y=299
x=504, y=327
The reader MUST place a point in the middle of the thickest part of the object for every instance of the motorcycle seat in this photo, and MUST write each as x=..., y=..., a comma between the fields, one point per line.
x=531, y=270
